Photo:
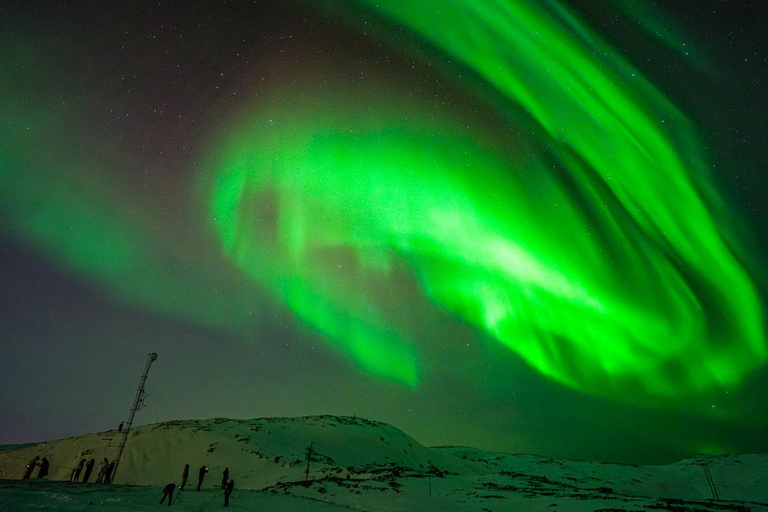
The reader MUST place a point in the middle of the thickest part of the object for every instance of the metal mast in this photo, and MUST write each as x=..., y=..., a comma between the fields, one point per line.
x=137, y=404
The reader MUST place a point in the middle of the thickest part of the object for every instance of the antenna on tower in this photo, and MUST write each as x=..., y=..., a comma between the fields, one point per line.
x=138, y=402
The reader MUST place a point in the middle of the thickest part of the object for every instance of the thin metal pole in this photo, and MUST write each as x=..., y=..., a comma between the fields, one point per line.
x=429, y=477
x=137, y=403
x=710, y=482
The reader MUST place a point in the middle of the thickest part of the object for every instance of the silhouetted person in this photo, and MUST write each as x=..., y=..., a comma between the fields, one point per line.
x=200, y=475
x=184, y=476
x=78, y=469
x=224, y=478
x=88, y=470
x=30, y=467
x=108, y=472
x=168, y=493
x=227, y=491
x=44, y=465
x=102, y=469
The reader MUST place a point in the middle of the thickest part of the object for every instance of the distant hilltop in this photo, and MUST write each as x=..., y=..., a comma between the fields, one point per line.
x=353, y=455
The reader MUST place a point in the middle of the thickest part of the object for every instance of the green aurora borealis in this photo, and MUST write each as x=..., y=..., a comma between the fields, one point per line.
x=460, y=206
x=614, y=280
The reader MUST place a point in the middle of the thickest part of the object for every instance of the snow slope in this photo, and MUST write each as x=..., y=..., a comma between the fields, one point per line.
x=365, y=465
x=259, y=452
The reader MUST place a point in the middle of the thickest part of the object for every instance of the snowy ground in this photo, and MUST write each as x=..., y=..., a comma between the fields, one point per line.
x=449, y=495
x=17, y=495
x=362, y=465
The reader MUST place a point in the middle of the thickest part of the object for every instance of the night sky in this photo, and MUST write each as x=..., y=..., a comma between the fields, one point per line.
x=517, y=225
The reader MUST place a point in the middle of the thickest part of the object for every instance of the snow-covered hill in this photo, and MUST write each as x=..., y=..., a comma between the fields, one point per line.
x=259, y=453
x=368, y=465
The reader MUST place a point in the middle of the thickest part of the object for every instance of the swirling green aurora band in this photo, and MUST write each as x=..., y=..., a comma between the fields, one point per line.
x=596, y=257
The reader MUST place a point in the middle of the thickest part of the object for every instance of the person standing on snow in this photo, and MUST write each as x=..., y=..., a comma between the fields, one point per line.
x=200, y=475
x=227, y=491
x=78, y=469
x=43, y=468
x=184, y=476
x=102, y=469
x=30, y=467
x=108, y=472
x=88, y=470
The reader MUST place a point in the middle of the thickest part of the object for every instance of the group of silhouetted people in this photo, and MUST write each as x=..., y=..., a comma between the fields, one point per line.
x=107, y=468
x=226, y=484
x=104, y=475
x=42, y=472
x=106, y=471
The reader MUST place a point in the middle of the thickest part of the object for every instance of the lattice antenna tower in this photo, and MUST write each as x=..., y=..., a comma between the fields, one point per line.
x=138, y=403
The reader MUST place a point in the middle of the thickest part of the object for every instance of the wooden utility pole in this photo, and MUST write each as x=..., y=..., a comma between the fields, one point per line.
x=309, y=458
x=138, y=402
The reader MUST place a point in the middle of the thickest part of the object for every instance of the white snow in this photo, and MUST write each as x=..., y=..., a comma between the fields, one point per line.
x=361, y=465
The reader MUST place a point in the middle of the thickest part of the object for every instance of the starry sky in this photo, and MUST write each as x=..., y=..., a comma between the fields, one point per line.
x=522, y=226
